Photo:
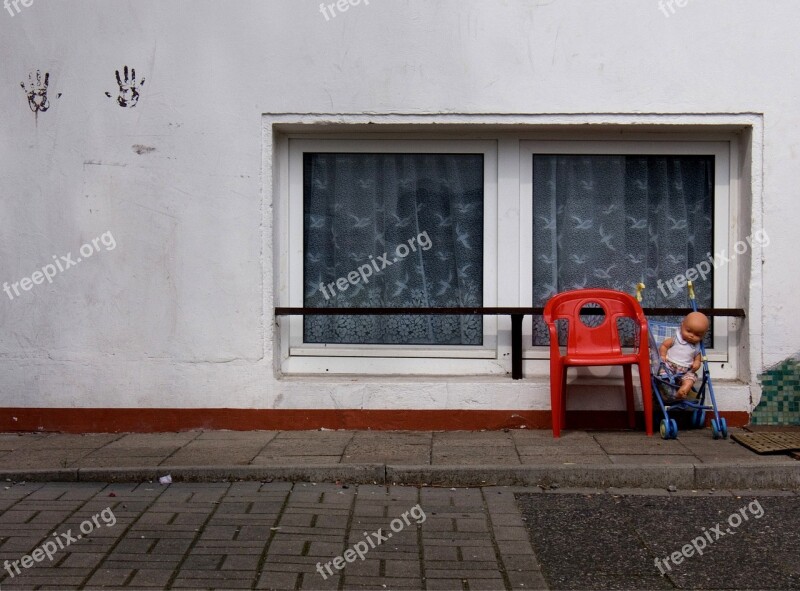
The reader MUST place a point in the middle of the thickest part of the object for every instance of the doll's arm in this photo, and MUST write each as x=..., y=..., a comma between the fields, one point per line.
x=697, y=362
x=662, y=350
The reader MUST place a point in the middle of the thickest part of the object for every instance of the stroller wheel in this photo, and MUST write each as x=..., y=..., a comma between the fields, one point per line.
x=698, y=418
x=668, y=429
x=715, y=431
x=664, y=429
x=723, y=428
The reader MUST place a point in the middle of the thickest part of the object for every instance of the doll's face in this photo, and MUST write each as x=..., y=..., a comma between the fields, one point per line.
x=694, y=327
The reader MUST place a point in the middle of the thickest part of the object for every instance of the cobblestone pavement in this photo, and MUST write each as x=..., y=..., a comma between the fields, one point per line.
x=252, y=535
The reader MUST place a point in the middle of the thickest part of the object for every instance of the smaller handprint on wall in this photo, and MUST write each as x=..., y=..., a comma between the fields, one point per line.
x=36, y=90
x=128, y=88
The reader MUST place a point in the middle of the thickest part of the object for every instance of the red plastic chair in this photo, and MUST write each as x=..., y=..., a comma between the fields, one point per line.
x=594, y=346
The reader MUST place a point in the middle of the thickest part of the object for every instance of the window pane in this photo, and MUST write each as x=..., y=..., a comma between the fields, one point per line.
x=393, y=230
x=613, y=221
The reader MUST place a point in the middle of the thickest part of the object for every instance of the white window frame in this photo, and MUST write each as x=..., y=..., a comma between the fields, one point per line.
x=310, y=358
x=725, y=204
x=507, y=177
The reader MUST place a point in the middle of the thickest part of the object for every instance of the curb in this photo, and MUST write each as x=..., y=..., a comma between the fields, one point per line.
x=683, y=476
x=731, y=475
x=653, y=476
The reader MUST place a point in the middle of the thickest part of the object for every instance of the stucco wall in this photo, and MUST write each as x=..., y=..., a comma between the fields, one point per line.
x=174, y=315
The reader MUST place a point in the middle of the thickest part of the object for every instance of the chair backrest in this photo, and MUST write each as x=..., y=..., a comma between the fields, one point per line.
x=597, y=340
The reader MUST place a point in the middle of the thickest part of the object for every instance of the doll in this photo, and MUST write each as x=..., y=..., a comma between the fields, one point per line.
x=681, y=353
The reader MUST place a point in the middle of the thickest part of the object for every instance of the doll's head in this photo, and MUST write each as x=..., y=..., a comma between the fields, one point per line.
x=694, y=327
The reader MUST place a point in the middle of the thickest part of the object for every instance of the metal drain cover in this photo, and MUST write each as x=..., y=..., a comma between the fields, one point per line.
x=769, y=443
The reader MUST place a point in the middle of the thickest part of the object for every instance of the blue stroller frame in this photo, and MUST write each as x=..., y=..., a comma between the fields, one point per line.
x=666, y=384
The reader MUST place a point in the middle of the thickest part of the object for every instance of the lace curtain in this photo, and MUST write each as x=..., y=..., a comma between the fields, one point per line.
x=613, y=221
x=393, y=230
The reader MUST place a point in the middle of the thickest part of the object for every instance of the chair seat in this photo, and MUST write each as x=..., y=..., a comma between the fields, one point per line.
x=587, y=360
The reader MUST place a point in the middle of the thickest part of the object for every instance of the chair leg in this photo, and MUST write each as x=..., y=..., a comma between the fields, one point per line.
x=556, y=380
x=564, y=397
x=626, y=370
x=647, y=395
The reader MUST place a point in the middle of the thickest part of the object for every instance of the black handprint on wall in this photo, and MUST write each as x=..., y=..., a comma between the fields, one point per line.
x=37, y=91
x=128, y=91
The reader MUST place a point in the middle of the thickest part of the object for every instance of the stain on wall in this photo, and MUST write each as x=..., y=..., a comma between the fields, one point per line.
x=140, y=149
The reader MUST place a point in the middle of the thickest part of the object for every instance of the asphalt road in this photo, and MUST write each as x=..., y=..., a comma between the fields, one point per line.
x=608, y=541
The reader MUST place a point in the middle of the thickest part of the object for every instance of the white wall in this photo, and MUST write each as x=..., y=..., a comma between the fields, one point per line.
x=174, y=315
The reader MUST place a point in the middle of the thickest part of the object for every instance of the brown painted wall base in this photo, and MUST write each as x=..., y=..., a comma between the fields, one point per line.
x=150, y=420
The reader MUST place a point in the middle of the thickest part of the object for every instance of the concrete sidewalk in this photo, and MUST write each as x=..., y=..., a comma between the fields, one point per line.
x=452, y=458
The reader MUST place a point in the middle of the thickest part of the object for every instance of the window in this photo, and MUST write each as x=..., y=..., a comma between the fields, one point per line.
x=503, y=220
x=370, y=223
x=614, y=221
x=391, y=223
x=613, y=214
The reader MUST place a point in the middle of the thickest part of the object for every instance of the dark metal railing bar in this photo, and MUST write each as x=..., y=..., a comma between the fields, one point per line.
x=488, y=311
x=517, y=315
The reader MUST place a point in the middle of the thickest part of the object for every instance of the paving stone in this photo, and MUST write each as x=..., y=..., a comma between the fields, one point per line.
x=47, y=581
x=652, y=459
x=291, y=547
x=565, y=460
x=151, y=577
x=215, y=546
x=110, y=577
x=325, y=549
x=512, y=547
x=445, y=585
x=188, y=582
x=171, y=546
x=241, y=562
x=316, y=583
x=369, y=567
x=278, y=580
x=279, y=459
x=254, y=532
x=134, y=545
x=163, y=560
x=379, y=582
x=202, y=562
x=478, y=553
x=441, y=553
x=78, y=560
x=521, y=562
x=471, y=525
x=639, y=444
x=486, y=584
x=465, y=572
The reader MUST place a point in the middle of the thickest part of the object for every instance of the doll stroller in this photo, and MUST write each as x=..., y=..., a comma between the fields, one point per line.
x=666, y=384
